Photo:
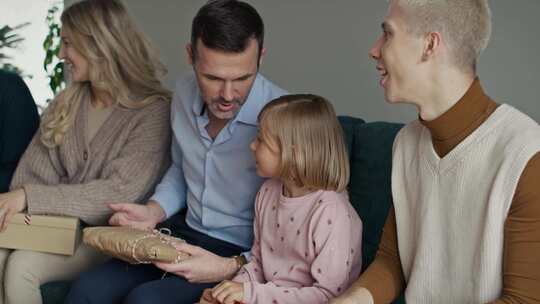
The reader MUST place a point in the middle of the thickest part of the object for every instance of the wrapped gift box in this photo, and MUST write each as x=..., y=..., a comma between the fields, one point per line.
x=54, y=234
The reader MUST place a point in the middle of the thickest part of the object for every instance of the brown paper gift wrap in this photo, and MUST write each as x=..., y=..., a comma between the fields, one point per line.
x=53, y=234
x=133, y=245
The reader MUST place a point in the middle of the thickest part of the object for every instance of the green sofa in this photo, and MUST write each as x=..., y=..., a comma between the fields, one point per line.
x=370, y=149
x=19, y=120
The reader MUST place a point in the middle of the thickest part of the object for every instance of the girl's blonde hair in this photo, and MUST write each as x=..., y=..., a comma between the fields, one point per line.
x=310, y=139
x=121, y=62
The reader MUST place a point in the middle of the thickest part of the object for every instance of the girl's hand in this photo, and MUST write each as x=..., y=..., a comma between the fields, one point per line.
x=10, y=203
x=207, y=298
x=229, y=292
x=354, y=296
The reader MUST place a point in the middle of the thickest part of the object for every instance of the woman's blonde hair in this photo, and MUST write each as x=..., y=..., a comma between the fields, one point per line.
x=310, y=140
x=121, y=62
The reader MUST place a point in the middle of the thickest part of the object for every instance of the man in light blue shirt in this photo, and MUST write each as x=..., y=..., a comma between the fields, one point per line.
x=212, y=177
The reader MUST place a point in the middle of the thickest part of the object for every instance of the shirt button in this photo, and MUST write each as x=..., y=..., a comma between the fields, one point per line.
x=85, y=155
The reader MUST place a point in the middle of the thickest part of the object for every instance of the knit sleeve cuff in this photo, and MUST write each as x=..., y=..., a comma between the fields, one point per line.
x=247, y=292
x=40, y=201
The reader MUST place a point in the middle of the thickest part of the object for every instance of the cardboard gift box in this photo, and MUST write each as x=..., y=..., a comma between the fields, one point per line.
x=53, y=234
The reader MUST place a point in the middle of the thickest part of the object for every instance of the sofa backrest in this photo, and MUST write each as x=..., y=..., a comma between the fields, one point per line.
x=370, y=152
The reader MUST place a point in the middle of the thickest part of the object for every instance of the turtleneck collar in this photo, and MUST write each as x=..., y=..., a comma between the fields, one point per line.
x=454, y=125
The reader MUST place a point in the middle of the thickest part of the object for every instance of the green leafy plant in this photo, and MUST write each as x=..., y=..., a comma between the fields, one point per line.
x=52, y=65
x=10, y=39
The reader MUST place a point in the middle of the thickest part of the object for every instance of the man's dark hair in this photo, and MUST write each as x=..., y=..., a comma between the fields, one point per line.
x=227, y=25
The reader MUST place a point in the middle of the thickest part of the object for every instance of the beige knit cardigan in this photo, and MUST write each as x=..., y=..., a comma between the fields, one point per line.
x=122, y=163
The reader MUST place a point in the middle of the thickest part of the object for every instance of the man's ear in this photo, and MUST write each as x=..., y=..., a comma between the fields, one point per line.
x=189, y=52
x=432, y=45
x=261, y=55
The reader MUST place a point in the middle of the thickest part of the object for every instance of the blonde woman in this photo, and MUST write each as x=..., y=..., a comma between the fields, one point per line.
x=104, y=139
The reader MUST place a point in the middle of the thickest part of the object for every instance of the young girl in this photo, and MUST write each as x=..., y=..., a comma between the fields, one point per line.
x=307, y=246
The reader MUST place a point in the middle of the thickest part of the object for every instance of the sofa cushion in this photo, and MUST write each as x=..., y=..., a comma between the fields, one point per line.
x=348, y=124
x=54, y=292
x=369, y=187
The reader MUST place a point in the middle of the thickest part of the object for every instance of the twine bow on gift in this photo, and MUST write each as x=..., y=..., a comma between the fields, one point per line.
x=135, y=246
x=164, y=235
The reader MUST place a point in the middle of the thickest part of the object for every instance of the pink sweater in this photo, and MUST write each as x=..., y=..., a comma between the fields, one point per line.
x=306, y=249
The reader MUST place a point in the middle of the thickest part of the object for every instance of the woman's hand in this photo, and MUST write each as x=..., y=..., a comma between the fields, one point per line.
x=10, y=203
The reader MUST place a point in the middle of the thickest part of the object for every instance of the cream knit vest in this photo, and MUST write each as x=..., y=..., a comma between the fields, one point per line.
x=450, y=211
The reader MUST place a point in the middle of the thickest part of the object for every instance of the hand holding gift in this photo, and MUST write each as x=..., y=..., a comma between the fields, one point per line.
x=10, y=203
x=202, y=266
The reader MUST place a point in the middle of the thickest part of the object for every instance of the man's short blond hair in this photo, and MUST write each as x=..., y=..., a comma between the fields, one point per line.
x=465, y=24
x=310, y=140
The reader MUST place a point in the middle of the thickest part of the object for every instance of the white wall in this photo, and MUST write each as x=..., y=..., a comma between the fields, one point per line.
x=321, y=47
x=30, y=56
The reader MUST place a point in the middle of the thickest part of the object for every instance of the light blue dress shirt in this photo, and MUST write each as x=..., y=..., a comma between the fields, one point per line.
x=215, y=179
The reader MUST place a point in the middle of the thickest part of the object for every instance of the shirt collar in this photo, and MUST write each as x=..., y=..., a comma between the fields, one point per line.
x=198, y=106
x=255, y=101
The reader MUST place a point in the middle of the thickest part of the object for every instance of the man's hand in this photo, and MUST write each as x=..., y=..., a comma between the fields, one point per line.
x=354, y=296
x=207, y=298
x=202, y=267
x=228, y=292
x=10, y=203
x=137, y=216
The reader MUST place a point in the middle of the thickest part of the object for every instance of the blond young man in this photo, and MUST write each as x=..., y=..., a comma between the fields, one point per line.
x=465, y=227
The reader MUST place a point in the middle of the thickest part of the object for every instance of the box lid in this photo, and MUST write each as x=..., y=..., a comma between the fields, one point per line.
x=46, y=221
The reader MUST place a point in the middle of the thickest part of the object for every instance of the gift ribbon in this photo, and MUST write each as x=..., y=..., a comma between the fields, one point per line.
x=164, y=235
